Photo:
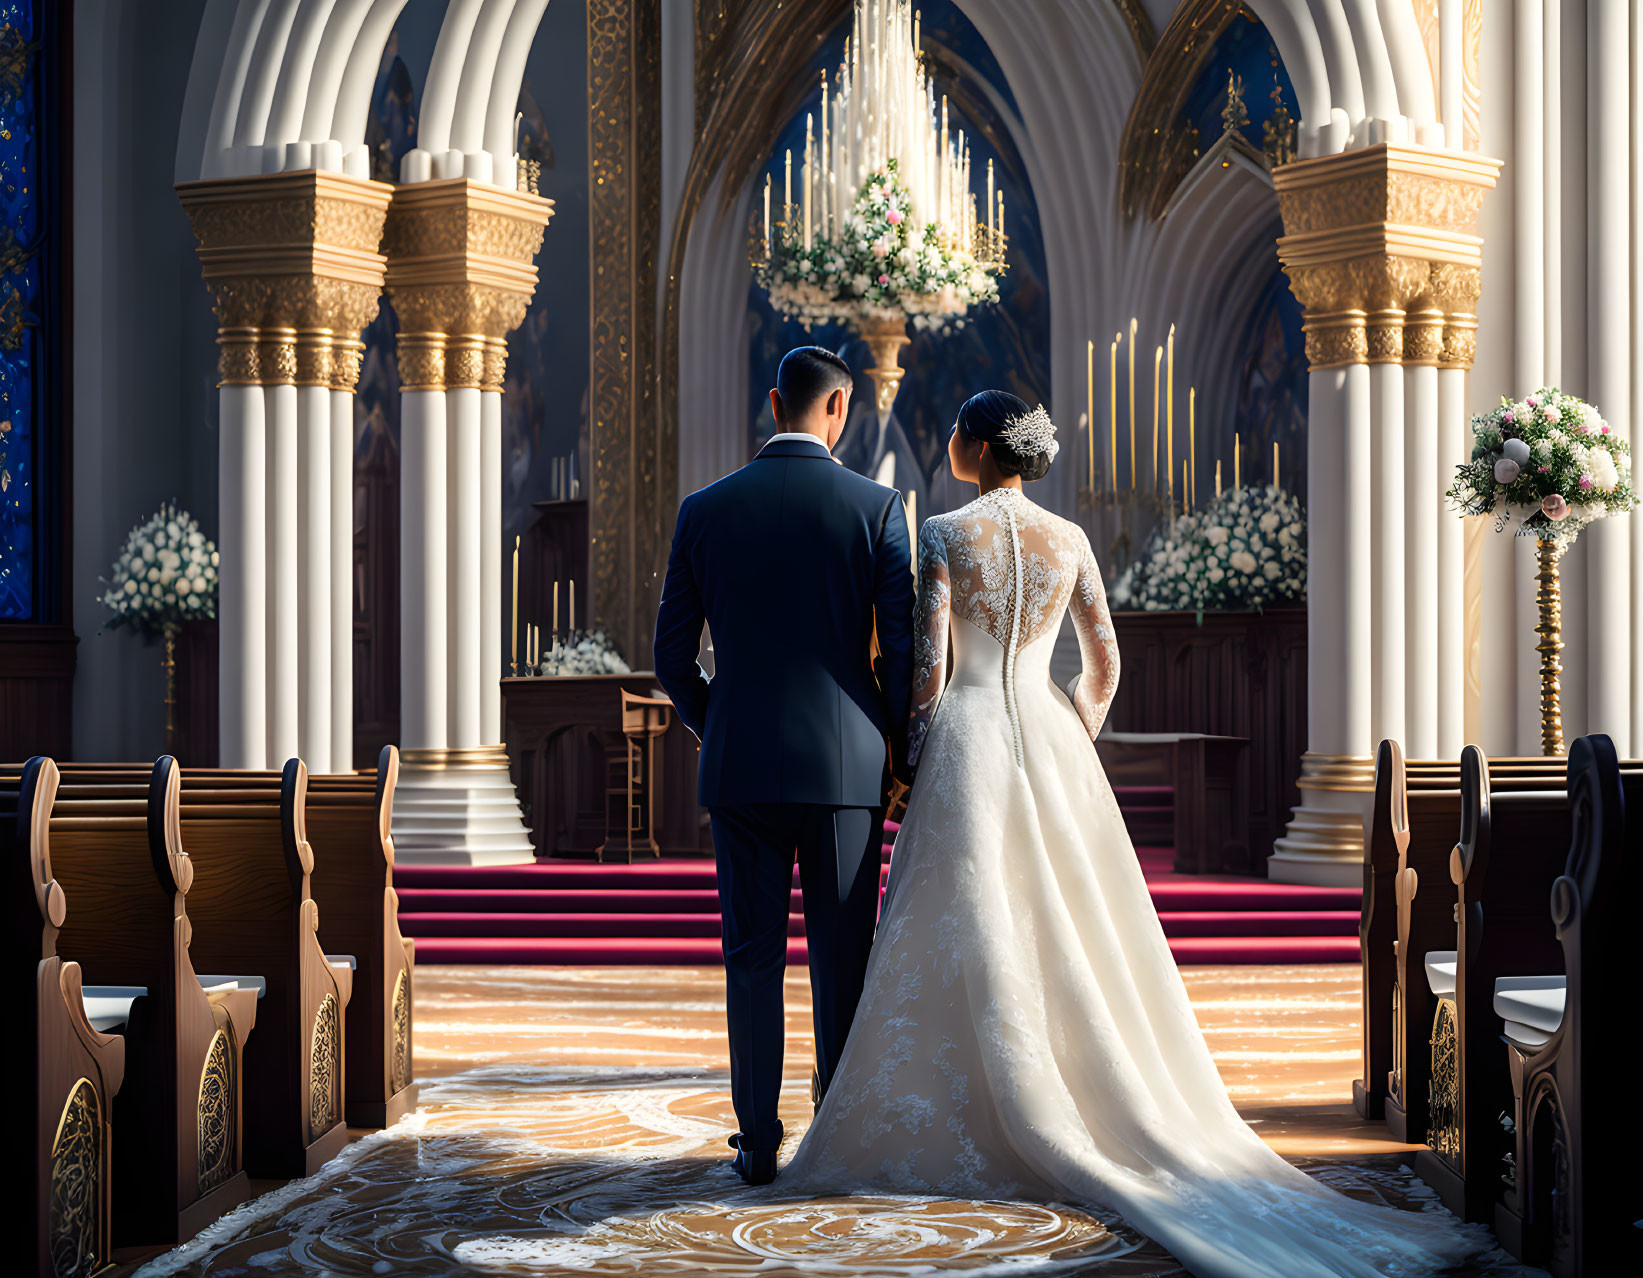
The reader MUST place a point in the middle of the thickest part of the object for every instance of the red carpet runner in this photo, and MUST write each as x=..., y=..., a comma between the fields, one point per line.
x=665, y=912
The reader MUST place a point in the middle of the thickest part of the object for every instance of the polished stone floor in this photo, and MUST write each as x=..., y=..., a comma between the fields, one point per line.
x=572, y=1120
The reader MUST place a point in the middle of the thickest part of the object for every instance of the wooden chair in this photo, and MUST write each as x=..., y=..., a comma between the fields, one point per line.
x=253, y=914
x=56, y=1217
x=348, y=823
x=1414, y=819
x=1512, y=847
x=178, y=1157
x=1569, y=1202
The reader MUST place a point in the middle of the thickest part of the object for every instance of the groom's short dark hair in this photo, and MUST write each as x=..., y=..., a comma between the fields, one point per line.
x=808, y=374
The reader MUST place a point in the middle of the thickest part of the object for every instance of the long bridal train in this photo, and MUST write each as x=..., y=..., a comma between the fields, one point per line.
x=1024, y=1032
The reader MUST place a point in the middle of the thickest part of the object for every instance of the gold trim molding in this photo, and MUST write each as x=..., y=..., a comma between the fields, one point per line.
x=461, y=273
x=294, y=267
x=1381, y=249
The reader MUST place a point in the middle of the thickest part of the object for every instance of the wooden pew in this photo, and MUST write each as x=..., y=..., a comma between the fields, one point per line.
x=1414, y=819
x=56, y=1216
x=348, y=819
x=178, y=1149
x=1567, y=1205
x=1511, y=849
x=254, y=916
x=348, y=822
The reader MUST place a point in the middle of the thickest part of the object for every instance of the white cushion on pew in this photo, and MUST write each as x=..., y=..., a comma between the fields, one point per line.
x=1440, y=972
x=109, y=1006
x=1526, y=1036
x=1535, y=1001
x=258, y=983
x=343, y=960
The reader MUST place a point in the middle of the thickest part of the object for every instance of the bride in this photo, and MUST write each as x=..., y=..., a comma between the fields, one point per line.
x=1024, y=1032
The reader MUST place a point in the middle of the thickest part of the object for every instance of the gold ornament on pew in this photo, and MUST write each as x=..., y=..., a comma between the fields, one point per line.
x=1551, y=465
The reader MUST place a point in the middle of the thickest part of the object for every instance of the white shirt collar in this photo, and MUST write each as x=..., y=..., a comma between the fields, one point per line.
x=794, y=437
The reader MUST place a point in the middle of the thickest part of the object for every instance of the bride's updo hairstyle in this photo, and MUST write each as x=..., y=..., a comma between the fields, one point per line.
x=1022, y=438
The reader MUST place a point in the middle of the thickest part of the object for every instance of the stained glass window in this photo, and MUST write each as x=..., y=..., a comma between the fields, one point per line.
x=24, y=231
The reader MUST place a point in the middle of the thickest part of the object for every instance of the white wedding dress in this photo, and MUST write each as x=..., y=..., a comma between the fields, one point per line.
x=1024, y=1032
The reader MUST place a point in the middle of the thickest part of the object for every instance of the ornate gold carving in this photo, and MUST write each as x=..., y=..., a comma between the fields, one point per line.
x=1159, y=144
x=78, y=1164
x=288, y=251
x=347, y=354
x=324, y=1078
x=1354, y=773
x=1422, y=334
x=631, y=465
x=278, y=355
x=461, y=270
x=1142, y=34
x=399, y=1059
x=1549, y=601
x=239, y=358
x=215, y=1114
x=1443, y=1106
x=314, y=357
x=496, y=364
x=885, y=338
x=1471, y=74
x=1472, y=577
x=1384, y=230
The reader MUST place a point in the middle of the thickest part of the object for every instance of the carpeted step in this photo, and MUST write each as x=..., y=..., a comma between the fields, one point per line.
x=653, y=951
x=1186, y=893
x=1252, y=923
x=587, y=926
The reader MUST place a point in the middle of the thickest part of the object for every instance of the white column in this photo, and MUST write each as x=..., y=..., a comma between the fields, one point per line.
x=342, y=580
x=463, y=686
x=314, y=736
x=1387, y=717
x=422, y=579
x=284, y=671
x=490, y=567
x=242, y=575
x=1326, y=697
x=1423, y=485
x=1609, y=353
x=1454, y=440
x=1355, y=668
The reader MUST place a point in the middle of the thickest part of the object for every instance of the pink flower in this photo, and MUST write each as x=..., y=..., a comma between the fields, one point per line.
x=884, y=279
x=1604, y=428
x=1585, y=482
x=1542, y=469
x=1533, y=401
x=1507, y=416
x=1554, y=507
x=1552, y=415
x=894, y=216
x=1584, y=429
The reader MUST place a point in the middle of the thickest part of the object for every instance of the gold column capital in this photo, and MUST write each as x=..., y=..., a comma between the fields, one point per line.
x=461, y=274
x=1389, y=231
x=288, y=251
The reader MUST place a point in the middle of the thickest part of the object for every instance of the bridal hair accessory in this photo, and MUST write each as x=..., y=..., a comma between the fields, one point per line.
x=1031, y=434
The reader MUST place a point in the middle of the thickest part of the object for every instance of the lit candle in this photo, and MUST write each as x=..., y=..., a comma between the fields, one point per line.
x=570, y=618
x=1134, y=324
x=809, y=171
x=918, y=15
x=989, y=197
x=1237, y=481
x=1217, y=477
x=1112, y=384
x=767, y=215
x=1192, y=443
x=945, y=196
x=1169, y=413
x=1186, y=500
x=787, y=185
x=554, y=626
x=826, y=165
x=513, y=633
x=1157, y=361
x=1274, y=463
x=1089, y=416
x=1001, y=223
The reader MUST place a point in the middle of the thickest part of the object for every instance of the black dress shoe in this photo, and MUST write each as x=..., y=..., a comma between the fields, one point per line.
x=756, y=1167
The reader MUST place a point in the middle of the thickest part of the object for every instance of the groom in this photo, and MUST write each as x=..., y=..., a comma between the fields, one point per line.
x=792, y=562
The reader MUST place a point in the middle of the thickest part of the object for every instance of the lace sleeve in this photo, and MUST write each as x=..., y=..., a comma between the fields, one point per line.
x=929, y=635
x=1092, y=692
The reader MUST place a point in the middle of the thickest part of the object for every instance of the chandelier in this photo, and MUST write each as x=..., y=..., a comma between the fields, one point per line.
x=885, y=226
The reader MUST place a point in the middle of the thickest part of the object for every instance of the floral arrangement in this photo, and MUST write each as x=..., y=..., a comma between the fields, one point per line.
x=1548, y=462
x=1245, y=550
x=585, y=652
x=882, y=265
x=165, y=574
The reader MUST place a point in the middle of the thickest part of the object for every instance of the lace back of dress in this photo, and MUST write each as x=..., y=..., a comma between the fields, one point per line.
x=1013, y=646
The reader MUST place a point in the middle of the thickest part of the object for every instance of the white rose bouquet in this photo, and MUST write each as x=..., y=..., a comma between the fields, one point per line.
x=881, y=264
x=586, y=652
x=1245, y=550
x=164, y=575
x=1547, y=462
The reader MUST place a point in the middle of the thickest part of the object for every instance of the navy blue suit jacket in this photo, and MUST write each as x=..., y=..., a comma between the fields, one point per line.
x=791, y=562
